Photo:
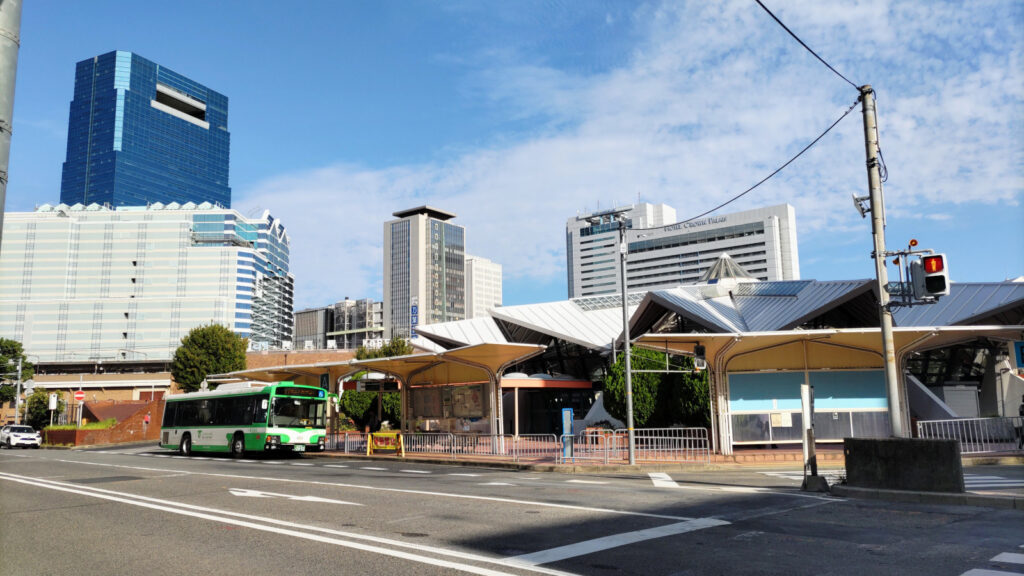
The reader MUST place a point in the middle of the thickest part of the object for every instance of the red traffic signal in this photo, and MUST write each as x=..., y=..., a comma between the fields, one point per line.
x=933, y=264
x=929, y=277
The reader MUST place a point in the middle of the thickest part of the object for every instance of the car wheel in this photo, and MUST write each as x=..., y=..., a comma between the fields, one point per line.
x=185, y=448
x=238, y=446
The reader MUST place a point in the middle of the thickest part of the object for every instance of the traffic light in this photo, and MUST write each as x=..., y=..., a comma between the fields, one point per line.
x=929, y=276
x=699, y=360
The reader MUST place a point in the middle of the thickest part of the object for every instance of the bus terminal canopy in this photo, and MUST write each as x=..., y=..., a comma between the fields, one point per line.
x=466, y=364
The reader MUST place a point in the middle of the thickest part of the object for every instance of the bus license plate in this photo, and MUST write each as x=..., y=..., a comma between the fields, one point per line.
x=300, y=448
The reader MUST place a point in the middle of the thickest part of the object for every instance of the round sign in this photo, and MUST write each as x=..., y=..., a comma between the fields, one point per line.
x=80, y=395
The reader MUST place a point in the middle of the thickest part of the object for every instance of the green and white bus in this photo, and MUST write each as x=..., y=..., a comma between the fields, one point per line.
x=246, y=417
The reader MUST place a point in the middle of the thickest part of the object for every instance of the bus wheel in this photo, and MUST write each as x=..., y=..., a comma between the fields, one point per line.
x=185, y=448
x=238, y=445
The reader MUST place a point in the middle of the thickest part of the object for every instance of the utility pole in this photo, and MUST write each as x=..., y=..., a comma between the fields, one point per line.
x=867, y=97
x=17, y=395
x=10, y=39
x=624, y=252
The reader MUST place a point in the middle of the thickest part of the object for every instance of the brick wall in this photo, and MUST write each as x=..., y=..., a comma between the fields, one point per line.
x=131, y=429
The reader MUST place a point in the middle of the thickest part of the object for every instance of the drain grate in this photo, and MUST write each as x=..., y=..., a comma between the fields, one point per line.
x=105, y=479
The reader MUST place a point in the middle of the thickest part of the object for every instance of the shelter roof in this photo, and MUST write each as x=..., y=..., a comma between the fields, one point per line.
x=481, y=330
x=969, y=303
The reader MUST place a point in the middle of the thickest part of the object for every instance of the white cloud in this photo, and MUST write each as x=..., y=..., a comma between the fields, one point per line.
x=714, y=98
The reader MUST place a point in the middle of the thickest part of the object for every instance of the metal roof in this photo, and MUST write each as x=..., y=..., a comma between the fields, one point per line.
x=967, y=302
x=464, y=332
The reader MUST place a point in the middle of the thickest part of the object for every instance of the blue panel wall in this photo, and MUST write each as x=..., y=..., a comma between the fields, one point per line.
x=768, y=391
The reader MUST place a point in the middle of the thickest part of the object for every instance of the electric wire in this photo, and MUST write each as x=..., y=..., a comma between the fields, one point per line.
x=795, y=37
x=779, y=169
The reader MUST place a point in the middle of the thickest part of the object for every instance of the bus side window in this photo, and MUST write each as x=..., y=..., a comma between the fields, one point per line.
x=260, y=407
x=170, y=409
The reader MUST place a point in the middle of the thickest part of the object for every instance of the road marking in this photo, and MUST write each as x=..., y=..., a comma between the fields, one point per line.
x=335, y=466
x=249, y=461
x=1009, y=558
x=373, y=468
x=458, y=496
x=162, y=455
x=301, y=464
x=200, y=457
x=983, y=572
x=416, y=471
x=662, y=480
x=496, y=484
x=584, y=482
x=614, y=541
x=259, y=494
x=463, y=474
x=263, y=524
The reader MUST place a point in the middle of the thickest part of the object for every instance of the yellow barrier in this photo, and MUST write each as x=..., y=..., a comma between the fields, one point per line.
x=387, y=441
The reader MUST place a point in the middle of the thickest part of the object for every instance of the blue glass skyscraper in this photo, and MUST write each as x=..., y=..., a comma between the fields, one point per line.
x=139, y=133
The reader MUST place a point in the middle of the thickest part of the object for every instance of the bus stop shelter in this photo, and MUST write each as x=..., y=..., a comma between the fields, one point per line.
x=748, y=371
x=425, y=376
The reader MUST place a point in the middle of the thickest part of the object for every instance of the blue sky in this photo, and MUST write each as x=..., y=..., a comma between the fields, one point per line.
x=516, y=116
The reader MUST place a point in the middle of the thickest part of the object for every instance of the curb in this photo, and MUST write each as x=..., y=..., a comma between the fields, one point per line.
x=941, y=498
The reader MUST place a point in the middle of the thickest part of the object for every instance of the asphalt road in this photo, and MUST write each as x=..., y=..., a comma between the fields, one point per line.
x=148, y=512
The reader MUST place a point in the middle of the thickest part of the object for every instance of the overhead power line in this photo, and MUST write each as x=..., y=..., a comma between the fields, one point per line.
x=795, y=37
x=780, y=168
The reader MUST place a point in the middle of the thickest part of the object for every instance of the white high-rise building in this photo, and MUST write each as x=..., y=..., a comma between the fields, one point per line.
x=424, y=270
x=86, y=283
x=483, y=286
x=664, y=253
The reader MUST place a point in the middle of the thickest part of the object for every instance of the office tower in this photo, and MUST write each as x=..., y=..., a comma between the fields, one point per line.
x=139, y=133
x=84, y=283
x=483, y=286
x=665, y=254
x=347, y=324
x=424, y=270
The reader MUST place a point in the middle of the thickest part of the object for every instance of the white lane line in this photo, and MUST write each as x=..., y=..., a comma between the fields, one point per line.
x=262, y=524
x=584, y=482
x=373, y=468
x=461, y=474
x=200, y=457
x=614, y=541
x=416, y=471
x=335, y=466
x=248, y=461
x=662, y=480
x=162, y=455
x=496, y=484
x=301, y=464
x=983, y=572
x=271, y=462
x=457, y=496
x=1009, y=558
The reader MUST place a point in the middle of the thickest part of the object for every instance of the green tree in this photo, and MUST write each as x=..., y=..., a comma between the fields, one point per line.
x=210, y=349
x=10, y=352
x=361, y=407
x=659, y=399
x=37, y=408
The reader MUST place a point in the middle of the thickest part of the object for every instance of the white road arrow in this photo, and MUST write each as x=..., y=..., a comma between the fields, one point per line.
x=258, y=494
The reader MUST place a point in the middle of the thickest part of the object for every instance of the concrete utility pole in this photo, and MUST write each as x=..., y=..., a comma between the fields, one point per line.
x=10, y=30
x=624, y=252
x=867, y=97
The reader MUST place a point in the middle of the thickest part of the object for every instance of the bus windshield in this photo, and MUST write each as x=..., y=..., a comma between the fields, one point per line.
x=298, y=412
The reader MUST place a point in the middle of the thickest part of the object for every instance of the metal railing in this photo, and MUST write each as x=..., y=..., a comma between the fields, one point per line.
x=976, y=435
x=652, y=445
x=667, y=445
x=347, y=442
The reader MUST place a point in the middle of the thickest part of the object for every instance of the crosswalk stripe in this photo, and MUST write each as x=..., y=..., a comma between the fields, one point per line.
x=1009, y=558
x=662, y=480
x=585, y=482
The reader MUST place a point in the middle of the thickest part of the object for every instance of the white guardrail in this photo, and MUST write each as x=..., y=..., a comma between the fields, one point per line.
x=976, y=435
x=667, y=445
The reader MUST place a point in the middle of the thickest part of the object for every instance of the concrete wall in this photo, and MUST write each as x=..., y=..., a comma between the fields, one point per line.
x=904, y=464
x=132, y=429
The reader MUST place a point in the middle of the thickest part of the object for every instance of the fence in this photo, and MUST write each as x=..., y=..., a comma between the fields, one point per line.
x=665, y=445
x=976, y=435
x=652, y=445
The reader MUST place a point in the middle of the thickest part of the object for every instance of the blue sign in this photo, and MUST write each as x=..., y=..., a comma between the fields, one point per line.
x=1019, y=346
x=414, y=310
x=414, y=320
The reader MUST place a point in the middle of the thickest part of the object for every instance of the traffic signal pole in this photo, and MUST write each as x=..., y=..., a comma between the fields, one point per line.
x=867, y=97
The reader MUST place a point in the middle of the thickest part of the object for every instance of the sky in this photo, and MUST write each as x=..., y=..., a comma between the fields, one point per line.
x=517, y=116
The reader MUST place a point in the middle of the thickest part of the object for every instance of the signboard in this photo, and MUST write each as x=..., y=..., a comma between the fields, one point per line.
x=467, y=401
x=53, y=401
x=79, y=395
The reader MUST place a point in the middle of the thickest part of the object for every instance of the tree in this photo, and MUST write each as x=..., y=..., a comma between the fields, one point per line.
x=361, y=407
x=37, y=408
x=659, y=399
x=210, y=349
x=10, y=352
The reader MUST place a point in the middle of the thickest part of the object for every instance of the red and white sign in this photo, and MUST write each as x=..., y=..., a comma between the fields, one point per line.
x=80, y=395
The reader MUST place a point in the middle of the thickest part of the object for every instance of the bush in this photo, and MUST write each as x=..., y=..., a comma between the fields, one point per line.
x=105, y=424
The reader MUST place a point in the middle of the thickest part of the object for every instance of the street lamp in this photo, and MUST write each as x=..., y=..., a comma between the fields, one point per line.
x=17, y=390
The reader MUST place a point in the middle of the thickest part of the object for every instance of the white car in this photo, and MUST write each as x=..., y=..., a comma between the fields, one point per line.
x=23, y=436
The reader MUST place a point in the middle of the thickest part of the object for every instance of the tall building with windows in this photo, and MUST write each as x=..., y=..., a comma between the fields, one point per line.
x=86, y=283
x=483, y=286
x=345, y=325
x=140, y=133
x=424, y=270
x=663, y=253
